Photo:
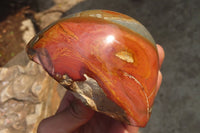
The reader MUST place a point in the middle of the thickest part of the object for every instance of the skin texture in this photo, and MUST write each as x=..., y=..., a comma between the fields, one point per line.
x=73, y=117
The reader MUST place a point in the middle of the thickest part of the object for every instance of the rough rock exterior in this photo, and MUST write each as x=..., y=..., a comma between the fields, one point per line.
x=27, y=95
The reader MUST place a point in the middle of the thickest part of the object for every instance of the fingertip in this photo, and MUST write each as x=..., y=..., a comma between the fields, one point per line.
x=77, y=115
x=66, y=100
x=161, y=54
x=79, y=111
x=118, y=127
x=132, y=129
x=159, y=81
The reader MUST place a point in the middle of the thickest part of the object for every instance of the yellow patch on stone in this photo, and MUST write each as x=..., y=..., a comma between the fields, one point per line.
x=126, y=56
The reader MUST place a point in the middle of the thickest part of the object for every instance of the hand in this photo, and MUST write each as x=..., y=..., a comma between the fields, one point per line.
x=73, y=117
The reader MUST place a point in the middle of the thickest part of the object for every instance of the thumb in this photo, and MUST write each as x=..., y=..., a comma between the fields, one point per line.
x=68, y=120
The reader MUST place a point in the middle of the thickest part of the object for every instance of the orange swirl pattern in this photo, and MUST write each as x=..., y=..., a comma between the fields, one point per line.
x=123, y=62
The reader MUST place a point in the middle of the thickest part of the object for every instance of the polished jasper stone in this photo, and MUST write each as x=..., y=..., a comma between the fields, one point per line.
x=107, y=59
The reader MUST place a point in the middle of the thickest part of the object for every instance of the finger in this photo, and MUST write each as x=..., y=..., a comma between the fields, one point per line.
x=67, y=99
x=161, y=54
x=132, y=129
x=68, y=120
x=119, y=128
x=159, y=81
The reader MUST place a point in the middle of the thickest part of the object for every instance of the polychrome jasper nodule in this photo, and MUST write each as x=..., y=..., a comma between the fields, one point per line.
x=107, y=59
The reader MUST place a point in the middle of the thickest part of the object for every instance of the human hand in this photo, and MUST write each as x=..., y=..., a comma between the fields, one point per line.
x=73, y=117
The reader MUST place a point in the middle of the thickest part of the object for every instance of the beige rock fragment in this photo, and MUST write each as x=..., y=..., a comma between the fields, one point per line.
x=27, y=95
x=29, y=31
x=54, y=13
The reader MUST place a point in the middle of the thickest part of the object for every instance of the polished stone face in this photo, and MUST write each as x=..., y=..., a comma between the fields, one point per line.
x=111, y=48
